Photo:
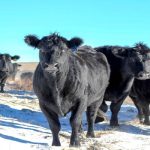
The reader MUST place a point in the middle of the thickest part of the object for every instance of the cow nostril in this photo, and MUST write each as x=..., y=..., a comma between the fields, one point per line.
x=56, y=65
x=140, y=74
x=45, y=65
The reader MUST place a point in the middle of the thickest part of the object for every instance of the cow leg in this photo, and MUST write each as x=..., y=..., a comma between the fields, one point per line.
x=2, y=88
x=91, y=116
x=54, y=124
x=101, y=112
x=146, y=112
x=139, y=108
x=115, y=108
x=75, y=121
x=2, y=84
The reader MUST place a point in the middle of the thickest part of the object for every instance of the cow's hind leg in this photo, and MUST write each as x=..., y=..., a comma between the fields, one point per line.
x=54, y=124
x=75, y=121
x=138, y=105
x=2, y=88
x=2, y=84
x=146, y=112
x=115, y=108
x=91, y=116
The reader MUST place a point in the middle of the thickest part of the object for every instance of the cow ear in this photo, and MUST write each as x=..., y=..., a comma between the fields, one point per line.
x=16, y=57
x=32, y=40
x=75, y=42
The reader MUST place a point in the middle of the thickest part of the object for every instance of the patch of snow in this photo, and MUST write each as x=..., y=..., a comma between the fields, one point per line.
x=23, y=126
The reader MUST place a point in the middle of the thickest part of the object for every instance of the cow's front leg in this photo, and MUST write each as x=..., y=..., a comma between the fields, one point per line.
x=91, y=115
x=75, y=121
x=146, y=112
x=115, y=108
x=54, y=124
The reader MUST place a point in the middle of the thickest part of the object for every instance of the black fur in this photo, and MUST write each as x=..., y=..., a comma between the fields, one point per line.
x=68, y=82
x=32, y=40
x=140, y=94
x=126, y=64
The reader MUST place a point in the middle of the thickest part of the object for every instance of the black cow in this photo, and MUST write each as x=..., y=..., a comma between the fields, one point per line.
x=68, y=82
x=6, y=68
x=26, y=76
x=140, y=94
x=13, y=70
x=126, y=64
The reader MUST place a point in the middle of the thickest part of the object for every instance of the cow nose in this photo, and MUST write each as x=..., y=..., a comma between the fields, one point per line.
x=144, y=75
x=140, y=74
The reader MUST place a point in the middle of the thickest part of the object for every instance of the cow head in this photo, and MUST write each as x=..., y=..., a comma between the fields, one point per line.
x=9, y=57
x=136, y=61
x=53, y=49
x=5, y=61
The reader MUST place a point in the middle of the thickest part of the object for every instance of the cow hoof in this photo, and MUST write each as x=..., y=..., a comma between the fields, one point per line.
x=75, y=144
x=56, y=144
x=99, y=119
x=90, y=135
x=114, y=124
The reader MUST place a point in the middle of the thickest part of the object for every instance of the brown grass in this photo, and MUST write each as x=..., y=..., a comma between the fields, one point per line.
x=22, y=85
x=25, y=84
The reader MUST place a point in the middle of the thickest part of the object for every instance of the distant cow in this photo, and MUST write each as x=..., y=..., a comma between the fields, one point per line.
x=140, y=94
x=126, y=64
x=6, y=68
x=13, y=70
x=65, y=81
x=26, y=76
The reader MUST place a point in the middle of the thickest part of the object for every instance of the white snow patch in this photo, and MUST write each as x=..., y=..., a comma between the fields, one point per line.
x=23, y=126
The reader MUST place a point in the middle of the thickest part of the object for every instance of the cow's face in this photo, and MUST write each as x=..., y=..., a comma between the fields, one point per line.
x=136, y=62
x=53, y=50
x=140, y=64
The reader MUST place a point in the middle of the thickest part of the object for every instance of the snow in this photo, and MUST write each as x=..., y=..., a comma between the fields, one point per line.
x=23, y=126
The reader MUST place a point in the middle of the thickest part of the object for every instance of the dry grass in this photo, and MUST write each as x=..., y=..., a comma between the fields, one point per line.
x=25, y=84
x=22, y=85
x=28, y=66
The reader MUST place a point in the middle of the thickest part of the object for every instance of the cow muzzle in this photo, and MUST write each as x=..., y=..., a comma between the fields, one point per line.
x=143, y=75
x=50, y=68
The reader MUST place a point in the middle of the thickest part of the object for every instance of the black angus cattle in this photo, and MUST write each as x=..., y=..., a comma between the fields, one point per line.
x=3, y=72
x=140, y=94
x=126, y=64
x=68, y=82
x=13, y=70
x=6, y=68
x=26, y=76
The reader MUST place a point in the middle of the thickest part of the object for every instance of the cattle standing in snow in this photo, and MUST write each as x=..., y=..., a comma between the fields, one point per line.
x=13, y=70
x=68, y=82
x=26, y=76
x=6, y=68
x=140, y=94
x=126, y=64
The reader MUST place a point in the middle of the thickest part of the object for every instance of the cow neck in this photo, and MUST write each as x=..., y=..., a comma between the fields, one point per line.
x=61, y=75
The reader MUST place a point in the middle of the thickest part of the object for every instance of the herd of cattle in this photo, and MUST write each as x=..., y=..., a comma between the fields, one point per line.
x=74, y=78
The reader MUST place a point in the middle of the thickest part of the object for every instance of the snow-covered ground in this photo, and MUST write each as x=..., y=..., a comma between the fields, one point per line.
x=24, y=127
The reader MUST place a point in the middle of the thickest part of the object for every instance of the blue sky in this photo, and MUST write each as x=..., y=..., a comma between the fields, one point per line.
x=98, y=22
